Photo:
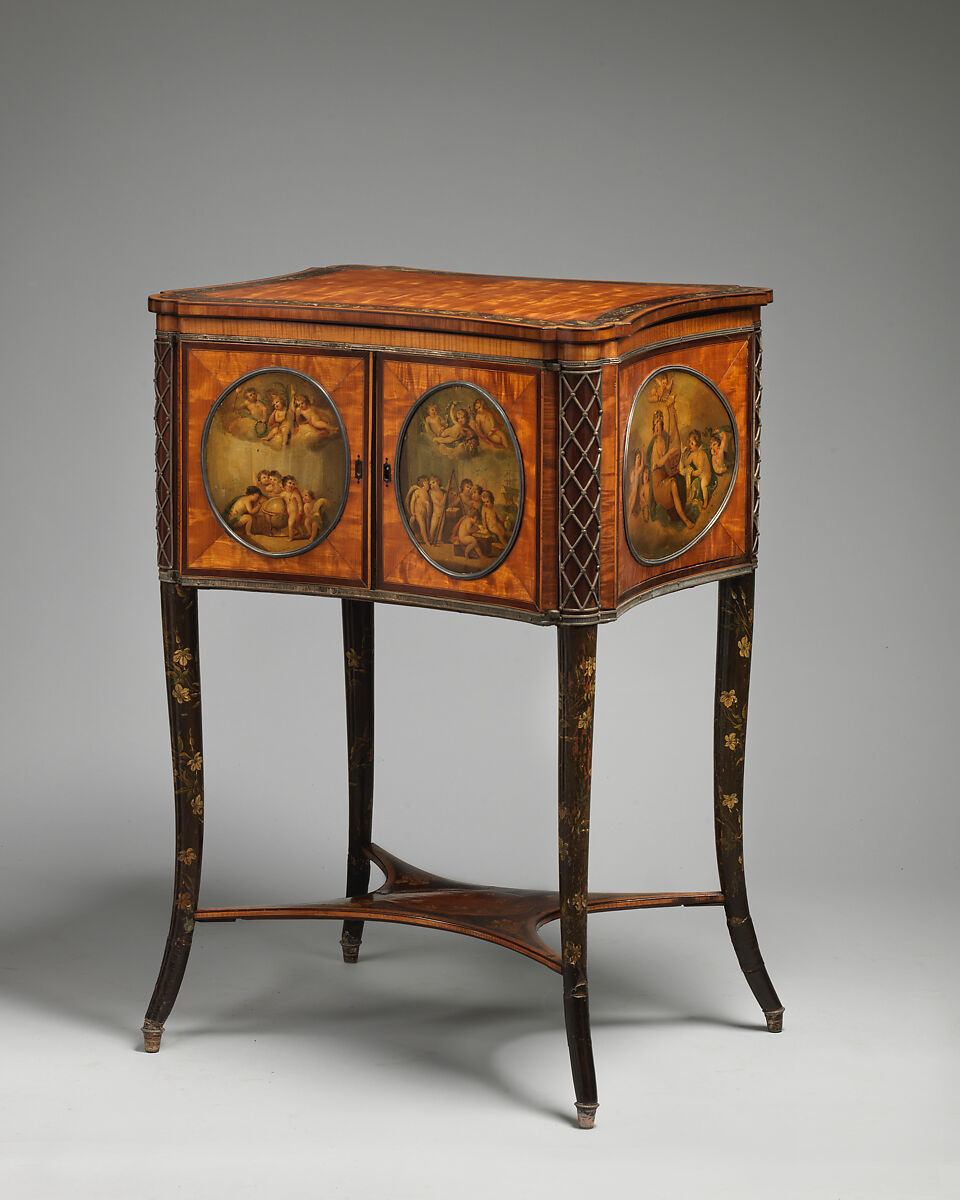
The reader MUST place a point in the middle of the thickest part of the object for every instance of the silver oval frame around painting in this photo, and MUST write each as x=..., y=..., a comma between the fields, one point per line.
x=677, y=368
x=237, y=383
x=515, y=445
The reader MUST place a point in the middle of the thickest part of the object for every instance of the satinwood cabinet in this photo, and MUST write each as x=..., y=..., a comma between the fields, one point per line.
x=553, y=451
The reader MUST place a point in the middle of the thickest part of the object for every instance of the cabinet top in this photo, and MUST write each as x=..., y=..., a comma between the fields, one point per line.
x=418, y=299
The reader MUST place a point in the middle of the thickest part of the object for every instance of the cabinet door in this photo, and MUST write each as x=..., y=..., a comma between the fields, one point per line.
x=268, y=442
x=460, y=514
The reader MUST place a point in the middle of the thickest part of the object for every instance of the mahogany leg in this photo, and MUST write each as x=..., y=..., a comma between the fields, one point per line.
x=577, y=647
x=734, y=649
x=358, y=670
x=178, y=606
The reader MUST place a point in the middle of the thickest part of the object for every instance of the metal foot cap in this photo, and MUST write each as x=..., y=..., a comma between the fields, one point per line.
x=351, y=949
x=587, y=1115
x=774, y=1020
x=152, y=1033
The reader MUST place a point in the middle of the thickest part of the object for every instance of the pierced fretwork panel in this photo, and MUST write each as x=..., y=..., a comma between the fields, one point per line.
x=581, y=417
x=163, y=419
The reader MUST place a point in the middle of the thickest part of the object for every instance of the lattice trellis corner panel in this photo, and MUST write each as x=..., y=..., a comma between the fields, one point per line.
x=757, y=395
x=163, y=420
x=581, y=417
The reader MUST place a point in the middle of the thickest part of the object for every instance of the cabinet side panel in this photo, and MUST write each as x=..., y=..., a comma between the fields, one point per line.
x=728, y=363
x=610, y=488
x=549, y=485
x=757, y=389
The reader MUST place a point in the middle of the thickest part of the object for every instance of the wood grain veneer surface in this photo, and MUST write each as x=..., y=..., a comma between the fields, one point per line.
x=563, y=303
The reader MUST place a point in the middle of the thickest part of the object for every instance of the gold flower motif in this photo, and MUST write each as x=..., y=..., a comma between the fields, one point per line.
x=354, y=661
x=744, y=647
x=182, y=656
x=731, y=741
x=197, y=805
x=730, y=800
x=187, y=856
x=183, y=900
x=728, y=699
x=196, y=763
x=572, y=953
x=180, y=693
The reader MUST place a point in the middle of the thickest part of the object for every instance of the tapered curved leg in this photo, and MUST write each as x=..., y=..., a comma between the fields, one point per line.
x=358, y=670
x=734, y=649
x=178, y=606
x=577, y=647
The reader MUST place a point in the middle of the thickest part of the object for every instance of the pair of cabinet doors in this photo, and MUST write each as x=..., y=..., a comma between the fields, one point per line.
x=361, y=471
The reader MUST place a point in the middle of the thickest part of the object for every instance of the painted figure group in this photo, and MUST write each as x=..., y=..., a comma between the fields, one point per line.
x=275, y=419
x=463, y=433
x=674, y=478
x=463, y=515
x=276, y=506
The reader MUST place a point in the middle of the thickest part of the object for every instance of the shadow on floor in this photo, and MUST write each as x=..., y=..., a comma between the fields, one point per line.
x=444, y=1003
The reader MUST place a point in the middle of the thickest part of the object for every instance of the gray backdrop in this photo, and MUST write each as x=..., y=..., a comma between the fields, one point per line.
x=807, y=147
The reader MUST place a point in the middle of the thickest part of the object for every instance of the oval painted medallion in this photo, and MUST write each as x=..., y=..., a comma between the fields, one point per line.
x=274, y=457
x=680, y=460
x=459, y=480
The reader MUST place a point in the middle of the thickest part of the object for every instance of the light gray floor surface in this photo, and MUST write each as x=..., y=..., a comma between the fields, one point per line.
x=437, y=1066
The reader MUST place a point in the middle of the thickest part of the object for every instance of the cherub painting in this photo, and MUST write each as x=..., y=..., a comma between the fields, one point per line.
x=275, y=461
x=459, y=480
x=680, y=461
